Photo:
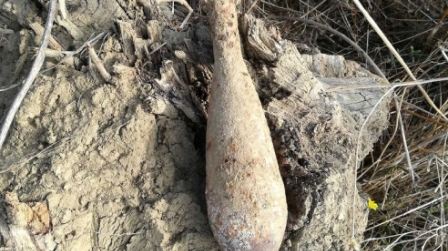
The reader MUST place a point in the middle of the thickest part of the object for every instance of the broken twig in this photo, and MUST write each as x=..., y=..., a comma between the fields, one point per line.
x=69, y=55
x=63, y=9
x=98, y=64
x=8, y=87
x=39, y=30
x=19, y=67
x=6, y=31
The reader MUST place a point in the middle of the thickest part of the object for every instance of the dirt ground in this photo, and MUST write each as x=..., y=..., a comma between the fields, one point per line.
x=119, y=165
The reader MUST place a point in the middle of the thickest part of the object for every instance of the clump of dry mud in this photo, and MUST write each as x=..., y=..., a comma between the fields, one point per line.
x=120, y=165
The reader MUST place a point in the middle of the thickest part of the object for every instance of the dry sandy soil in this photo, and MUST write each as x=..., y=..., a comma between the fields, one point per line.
x=119, y=165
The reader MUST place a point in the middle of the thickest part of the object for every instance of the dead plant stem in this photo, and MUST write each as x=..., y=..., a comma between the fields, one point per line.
x=39, y=30
x=337, y=33
x=399, y=58
x=63, y=9
x=98, y=64
x=405, y=144
x=69, y=55
x=408, y=212
x=186, y=5
x=252, y=6
x=19, y=67
x=6, y=31
x=405, y=84
x=8, y=87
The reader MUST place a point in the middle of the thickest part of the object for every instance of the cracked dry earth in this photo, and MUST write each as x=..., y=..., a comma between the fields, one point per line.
x=90, y=165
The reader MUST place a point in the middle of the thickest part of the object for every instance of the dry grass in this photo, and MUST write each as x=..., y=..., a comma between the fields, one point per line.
x=407, y=172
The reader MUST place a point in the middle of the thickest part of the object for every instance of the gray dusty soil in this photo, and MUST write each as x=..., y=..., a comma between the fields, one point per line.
x=119, y=165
